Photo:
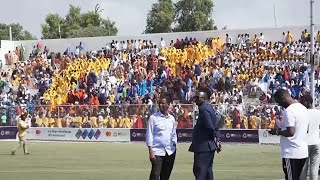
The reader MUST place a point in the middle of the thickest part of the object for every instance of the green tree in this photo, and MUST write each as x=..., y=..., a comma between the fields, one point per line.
x=54, y=23
x=72, y=20
x=90, y=31
x=90, y=19
x=17, y=32
x=109, y=26
x=194, y=15
x=77, y=24
x=160, y=17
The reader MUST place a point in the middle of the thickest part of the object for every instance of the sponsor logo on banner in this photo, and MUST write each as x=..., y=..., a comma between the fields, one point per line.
x=184, y=135
x=137, y=135
x=108, y=133
x=79, y=134
x=55, y=132
x=50, y=132
x=8, y=132
x=239, y=136
x=38, y=132
x=115, y=134
x=88, y=133
x=266, y=138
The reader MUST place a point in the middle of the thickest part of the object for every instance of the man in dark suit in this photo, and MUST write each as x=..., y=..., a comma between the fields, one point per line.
x=205, y=138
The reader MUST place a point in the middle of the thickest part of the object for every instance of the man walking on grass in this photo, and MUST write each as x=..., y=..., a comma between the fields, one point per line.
x=22, y=133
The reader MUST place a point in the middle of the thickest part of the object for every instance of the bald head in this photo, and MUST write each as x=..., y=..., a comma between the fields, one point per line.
x=203, y=94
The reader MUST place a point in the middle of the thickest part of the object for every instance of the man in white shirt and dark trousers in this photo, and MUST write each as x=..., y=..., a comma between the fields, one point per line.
x=293, y=134
x=161, y=139
x=313, y=140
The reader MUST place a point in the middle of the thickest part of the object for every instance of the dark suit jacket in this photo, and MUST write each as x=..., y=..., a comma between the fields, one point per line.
x=206, y=130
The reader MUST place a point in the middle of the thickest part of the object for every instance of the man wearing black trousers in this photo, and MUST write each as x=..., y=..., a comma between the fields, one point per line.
x=161, y=139
x=205, y=138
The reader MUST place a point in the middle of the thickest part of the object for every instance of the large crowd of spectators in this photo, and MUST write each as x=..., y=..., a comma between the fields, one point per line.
x=118, y=86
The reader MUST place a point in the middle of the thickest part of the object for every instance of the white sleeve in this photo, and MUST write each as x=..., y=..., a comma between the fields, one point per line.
x=289, y=119
x=149, y=132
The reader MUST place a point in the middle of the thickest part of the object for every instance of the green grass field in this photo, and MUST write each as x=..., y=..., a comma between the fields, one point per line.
x=106, y=161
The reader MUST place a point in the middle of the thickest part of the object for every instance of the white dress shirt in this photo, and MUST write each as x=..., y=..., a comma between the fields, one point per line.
x=161, y=134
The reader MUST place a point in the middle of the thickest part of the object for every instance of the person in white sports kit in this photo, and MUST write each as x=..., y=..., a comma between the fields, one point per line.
x=293, y=134
x=313, y=140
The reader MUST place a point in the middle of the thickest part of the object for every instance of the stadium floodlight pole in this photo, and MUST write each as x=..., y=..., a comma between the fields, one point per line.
x=274, y=15
x=10, y=33
x=312, y=84
x=59, y=30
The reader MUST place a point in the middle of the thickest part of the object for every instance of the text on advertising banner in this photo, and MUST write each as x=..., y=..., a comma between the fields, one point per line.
x=8, y=132
x=79, y=134
x=239, y=136
x=139, y=135
x=185, y=135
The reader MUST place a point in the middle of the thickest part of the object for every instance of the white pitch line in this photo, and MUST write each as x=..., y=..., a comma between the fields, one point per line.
x=118, y=170
x=48, y=170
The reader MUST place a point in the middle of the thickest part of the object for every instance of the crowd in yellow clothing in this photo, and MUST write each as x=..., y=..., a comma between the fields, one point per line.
x=199, y=54
x=237, y=63
x=85, y=121
x=256, y=122
x=77, y=68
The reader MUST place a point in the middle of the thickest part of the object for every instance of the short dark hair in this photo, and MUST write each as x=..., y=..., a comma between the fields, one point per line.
x=205, y=90
x=281, y=93
x=165, y=96
x=307, y=98
x=23, y=116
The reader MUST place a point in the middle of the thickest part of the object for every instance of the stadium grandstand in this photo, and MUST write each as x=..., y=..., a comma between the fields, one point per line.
x=115, y=82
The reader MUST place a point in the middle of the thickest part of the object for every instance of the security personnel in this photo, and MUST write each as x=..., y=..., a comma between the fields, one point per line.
x=205, y=138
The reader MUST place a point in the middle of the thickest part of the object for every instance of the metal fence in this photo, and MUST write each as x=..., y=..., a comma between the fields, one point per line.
x=136, y=116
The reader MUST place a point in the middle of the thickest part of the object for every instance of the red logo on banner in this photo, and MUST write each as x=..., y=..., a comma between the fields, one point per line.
x=38, y=132
x=108, y=133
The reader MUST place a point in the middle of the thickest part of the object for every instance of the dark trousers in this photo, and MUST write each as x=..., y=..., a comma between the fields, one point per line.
x=162, y=167
x=292, y=168
x=202, y=165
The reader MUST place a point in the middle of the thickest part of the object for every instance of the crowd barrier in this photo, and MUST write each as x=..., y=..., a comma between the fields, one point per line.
x=181, y=112
x=131, y=135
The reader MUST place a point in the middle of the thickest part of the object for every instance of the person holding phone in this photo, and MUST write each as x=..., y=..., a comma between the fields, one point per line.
x=205, y=136
x=293, y=134
x=161, y=139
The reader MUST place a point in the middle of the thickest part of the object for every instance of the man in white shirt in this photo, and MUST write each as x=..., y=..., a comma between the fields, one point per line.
x=162, y=43
x=313, y=140
x=161, y=139
x=293, y=134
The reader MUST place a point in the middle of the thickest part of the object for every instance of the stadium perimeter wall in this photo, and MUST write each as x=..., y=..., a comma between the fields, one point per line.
x=240, y=136
x=96, y=43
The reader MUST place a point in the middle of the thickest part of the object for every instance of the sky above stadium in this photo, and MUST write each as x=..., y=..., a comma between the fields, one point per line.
x=130, y=15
